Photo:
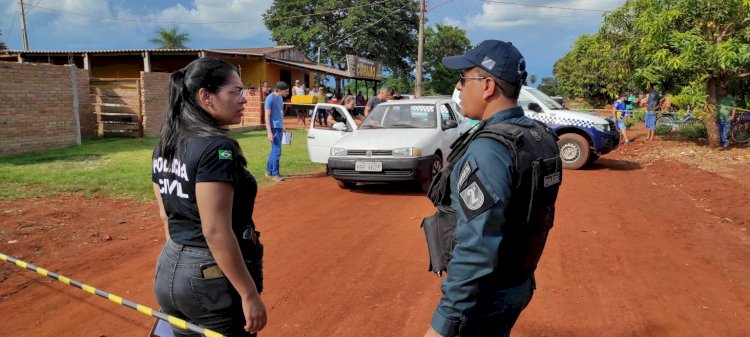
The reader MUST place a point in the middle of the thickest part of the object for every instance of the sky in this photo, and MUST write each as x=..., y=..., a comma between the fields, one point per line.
x=542, y=30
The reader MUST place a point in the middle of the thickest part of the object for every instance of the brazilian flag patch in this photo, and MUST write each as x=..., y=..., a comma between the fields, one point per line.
x=225, y=154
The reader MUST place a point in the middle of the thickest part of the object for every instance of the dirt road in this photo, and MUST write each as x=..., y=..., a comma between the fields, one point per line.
x=657, y=250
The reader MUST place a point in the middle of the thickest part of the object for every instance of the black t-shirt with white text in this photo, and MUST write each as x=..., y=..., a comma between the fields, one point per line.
x=206, y=159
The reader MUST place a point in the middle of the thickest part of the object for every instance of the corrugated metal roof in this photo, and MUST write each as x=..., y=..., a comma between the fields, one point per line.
x=315, y=67
x=259, y=50
x=99, y=51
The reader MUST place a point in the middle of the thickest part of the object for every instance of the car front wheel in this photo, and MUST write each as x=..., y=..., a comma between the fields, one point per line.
x=574, y=150
x=436, y=164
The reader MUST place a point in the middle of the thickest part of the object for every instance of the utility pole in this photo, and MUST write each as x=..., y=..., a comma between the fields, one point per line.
x=23, y=27
x=420, y=51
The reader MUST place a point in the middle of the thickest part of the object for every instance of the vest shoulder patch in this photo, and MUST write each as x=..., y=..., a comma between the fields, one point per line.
x=475, y=198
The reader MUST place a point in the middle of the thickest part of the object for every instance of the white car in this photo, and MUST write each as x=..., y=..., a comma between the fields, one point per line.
x=404, y=140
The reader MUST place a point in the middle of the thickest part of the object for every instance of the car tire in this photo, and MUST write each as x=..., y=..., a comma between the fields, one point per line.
x=436, y=164
x=574, y=150
x=592, y=158
x=346, y=185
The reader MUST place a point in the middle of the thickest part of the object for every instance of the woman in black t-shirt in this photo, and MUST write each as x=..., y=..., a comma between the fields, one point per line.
x=210, y=269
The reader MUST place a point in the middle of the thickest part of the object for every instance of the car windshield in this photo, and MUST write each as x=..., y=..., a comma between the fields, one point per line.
x=545, y=100
x=419, y=116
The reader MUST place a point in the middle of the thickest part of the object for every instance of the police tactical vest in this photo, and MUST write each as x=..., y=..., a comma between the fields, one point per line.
x=536, y=177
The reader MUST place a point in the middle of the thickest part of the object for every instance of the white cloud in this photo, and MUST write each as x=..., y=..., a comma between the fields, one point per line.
x=451, y=22
x=497, y=15
x=242, y=18
x=124, y=24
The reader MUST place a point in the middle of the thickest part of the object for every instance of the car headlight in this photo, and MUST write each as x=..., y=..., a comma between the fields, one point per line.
x=407, y=152
x=602, y=127
x=337, y=151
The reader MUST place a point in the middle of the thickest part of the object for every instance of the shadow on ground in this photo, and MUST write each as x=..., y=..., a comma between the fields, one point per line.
x=614, y=164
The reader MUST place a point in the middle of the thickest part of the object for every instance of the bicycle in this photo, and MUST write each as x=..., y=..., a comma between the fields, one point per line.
x=740, y=128
x=671, y=121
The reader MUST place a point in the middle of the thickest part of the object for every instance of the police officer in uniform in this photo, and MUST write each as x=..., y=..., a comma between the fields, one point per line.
x=497, y=206
x=210, y=269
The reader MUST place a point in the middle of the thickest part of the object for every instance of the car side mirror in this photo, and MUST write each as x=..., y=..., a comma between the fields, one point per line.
x=340, y=126
x=535, y=107
x=449, y=124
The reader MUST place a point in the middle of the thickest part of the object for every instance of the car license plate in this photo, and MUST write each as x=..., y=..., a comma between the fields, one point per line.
x=368, y=166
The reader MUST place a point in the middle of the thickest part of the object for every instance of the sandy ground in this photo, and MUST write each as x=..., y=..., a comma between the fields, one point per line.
x=643, y=245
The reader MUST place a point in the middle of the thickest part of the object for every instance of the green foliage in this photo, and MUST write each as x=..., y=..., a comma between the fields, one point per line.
x=682, y=46
x=399, y=84
x=383, y=31
x=638, y=115
x=121, y=168
x=549, y=86
x=532, y=79
x=692, y=132
x=170, y=39
x=591, y=70
x=441, y=41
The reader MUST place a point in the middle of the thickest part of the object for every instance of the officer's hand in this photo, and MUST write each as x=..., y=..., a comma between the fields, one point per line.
x=255, y=314
x=432, y=333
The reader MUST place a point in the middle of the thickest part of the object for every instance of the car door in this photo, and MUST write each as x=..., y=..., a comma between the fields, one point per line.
x=446, y=112
x=321, y=139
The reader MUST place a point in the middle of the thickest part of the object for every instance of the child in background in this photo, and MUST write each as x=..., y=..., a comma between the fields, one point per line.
x=620, y=110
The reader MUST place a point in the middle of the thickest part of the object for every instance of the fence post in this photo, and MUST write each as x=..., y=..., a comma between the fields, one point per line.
x=76, y=112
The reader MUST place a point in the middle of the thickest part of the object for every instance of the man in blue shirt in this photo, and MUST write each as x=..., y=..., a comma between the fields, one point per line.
x=274, y=108
x=500, y=223
x=653, y=101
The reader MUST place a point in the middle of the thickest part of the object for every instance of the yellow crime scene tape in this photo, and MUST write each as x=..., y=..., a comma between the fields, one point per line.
x=180, y=323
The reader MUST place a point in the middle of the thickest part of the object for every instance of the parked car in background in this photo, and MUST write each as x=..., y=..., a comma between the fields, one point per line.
x=584, y=136
x=399, y=141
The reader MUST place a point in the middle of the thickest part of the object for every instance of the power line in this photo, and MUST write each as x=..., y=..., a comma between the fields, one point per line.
x=10, y=28
x=365, y=27
x=543, y=6
x=436, y=6
x=111, y=18
x=32, y=7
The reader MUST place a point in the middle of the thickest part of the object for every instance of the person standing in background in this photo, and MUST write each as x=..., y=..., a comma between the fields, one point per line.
x=274, y=108
x=375, y=100
x=726, y=112
x=652, y=101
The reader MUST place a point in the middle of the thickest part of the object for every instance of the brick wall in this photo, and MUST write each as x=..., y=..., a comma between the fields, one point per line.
x=253, y=114
x=85, y=111
x=36, y=107
x=154, y=101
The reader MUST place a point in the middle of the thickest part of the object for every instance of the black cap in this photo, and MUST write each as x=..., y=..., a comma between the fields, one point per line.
x=281, y=85
x=499, y=58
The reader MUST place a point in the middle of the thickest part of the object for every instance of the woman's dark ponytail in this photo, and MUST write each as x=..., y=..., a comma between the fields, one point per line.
x=185, y=118
x=168, y=143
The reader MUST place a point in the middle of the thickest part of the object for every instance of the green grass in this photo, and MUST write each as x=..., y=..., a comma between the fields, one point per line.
x=121, y=168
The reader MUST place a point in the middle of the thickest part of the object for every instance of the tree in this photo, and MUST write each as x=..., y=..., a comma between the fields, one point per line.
x=688, y=47
x=548, y=85
x=2, y=44
x=384, y=31
x=532, y=79
x=441, y=41
x=170, y=39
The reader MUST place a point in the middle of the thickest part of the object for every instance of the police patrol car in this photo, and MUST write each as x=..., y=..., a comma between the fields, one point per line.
x=583, y=136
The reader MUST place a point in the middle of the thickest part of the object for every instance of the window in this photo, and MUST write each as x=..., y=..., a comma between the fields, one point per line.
x=446, y=113
x=524, y=100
